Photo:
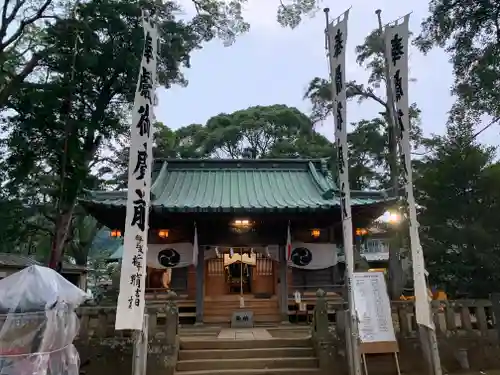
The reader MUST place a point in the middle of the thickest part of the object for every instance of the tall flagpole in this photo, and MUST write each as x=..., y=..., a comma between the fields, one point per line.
x=396, y=38
x=336, y=37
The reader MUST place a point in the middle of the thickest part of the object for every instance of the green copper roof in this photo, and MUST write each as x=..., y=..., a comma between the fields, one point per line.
x=240, y=186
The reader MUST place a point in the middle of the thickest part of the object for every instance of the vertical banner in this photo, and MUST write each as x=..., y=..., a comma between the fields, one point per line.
x=396, y=49
x=337, y=37
x=336, y=42
x=130, y=307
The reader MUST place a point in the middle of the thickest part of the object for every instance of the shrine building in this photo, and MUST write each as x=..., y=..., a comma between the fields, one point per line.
x=243, y=213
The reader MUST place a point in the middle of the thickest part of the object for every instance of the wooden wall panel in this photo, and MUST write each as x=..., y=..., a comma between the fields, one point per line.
x=215, y=278
x=263, y=276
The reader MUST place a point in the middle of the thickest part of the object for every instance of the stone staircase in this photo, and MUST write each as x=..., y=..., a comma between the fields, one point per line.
x=277, y=356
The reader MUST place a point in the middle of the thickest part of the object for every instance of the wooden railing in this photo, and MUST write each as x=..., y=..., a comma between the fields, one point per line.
x=473, y=318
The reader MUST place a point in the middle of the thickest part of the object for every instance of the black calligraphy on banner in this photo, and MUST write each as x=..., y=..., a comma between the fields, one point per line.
x=338, y=79
x=340, y=157
x=401, y=124
x=139, y=217
x=343, y=200
x=141, y=165
x=136, y=277
x=398, y=85
x=144, y=124
x=397, y=50
x=146, y=84
x=338, y=45
x=340, y=118
x=148, y=47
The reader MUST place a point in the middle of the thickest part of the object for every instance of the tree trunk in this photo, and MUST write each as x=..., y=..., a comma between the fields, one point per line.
x=81, y=253
x=15, y=82
x=63, y=221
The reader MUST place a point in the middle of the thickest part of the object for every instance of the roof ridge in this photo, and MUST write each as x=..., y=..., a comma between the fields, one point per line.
x=317, y=179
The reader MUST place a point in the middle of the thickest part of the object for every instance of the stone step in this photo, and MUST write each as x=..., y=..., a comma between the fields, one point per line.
x=194, y=331
x=188, y=344
x=280, y=371
x=247, y=363
x=246, y=353
x=257, y=318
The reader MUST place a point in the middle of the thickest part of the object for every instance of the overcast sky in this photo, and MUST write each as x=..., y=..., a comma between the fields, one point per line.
x=273, y=65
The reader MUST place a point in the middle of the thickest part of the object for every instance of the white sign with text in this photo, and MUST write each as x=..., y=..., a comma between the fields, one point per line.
x=373, y=307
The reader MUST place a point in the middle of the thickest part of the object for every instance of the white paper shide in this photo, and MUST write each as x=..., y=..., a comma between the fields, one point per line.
x=373, y=308
x=130, y=308
x=396, y=49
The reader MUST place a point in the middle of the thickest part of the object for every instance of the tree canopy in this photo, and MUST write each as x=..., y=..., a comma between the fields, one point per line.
x=470, y=33
x=457, y=189
x=65, y=121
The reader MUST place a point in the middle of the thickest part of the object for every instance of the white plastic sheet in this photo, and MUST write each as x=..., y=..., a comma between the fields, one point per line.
x=38, y=323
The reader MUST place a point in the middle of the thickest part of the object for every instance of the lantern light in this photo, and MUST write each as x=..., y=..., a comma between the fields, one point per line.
x=315, y=233
x=241, y=223
x=361, y=232
x=163, y=233
x=116, y=233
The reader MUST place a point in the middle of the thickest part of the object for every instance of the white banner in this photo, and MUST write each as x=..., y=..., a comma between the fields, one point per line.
x=396, y=49
x=337, y=37
x=313, y=256
x=172, y=255
x=337, y=42
x=130, y=307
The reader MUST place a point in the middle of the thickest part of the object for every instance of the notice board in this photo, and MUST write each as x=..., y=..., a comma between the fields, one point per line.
x=373, y=308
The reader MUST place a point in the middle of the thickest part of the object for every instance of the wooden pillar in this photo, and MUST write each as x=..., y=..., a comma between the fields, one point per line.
x=283, y=285
x=200, y=277
x=331, y=239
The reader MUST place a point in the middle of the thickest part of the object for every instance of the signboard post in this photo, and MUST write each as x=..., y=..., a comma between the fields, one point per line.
x=373, y=309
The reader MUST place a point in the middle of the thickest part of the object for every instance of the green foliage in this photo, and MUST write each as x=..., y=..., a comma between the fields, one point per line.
x=457, y=187
x=270, y=131
x=470, y=32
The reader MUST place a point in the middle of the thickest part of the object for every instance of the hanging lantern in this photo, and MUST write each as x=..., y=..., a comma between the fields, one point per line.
x=163, y=233
x=116, y=233
x=315, y=233
x=361, y=232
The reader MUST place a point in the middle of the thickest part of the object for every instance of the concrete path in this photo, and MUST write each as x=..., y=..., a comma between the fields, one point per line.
x=244, y=334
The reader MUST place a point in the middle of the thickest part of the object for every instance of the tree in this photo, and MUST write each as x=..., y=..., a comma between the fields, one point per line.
x=87, y=60
x=61, y=123
x=470, y=32
x=20, y=54
x=22, y=27
x=264, y=131
x=457, y=188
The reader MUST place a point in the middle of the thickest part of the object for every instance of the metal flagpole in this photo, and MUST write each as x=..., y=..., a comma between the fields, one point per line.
x=396, y=40
x=336, y=37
